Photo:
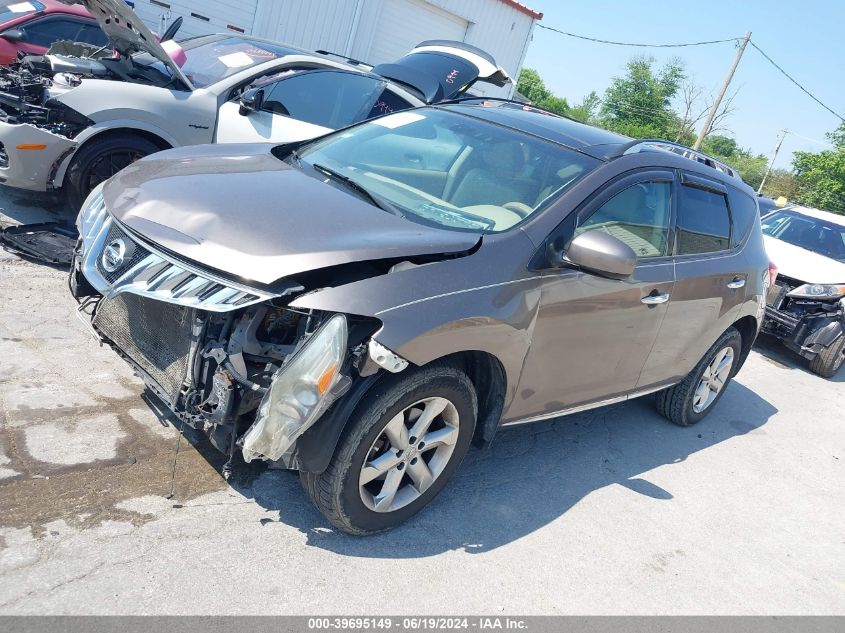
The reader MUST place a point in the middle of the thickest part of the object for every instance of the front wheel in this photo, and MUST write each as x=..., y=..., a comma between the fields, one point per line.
x=402, y=445
x=693, y=398
x=830, y=359
x=100, y=159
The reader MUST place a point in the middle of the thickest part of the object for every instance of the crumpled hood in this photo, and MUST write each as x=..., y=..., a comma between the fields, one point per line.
x=127, y=32
x=241, y=210
x=803, y=265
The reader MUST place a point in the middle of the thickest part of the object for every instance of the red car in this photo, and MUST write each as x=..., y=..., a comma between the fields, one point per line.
x=31, y=27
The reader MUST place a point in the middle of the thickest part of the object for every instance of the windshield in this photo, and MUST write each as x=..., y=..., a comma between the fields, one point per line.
x=450, y=170
x=819, y=236
x=11, y=10
x=210, y=61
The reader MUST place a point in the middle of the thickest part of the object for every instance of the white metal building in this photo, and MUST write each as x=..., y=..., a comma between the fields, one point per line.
x=373, y=31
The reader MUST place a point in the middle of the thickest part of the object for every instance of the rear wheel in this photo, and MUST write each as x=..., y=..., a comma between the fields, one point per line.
x=693, y=398
x=99, y=160
x=830, y=359
x=405, y=441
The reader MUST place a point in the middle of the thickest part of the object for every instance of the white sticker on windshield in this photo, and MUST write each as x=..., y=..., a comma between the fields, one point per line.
x=21, y=7
x=398, y=120
x=236, y=60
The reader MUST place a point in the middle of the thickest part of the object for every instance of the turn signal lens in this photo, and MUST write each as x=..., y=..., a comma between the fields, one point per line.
x=773, y=274
x=31, y=146
x=325, y=380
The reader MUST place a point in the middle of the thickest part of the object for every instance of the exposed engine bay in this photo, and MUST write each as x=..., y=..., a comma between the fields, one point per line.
x=29, y=89
x=216, y=371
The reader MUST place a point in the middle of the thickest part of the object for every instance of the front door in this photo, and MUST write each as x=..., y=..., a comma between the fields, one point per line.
x=593, y=334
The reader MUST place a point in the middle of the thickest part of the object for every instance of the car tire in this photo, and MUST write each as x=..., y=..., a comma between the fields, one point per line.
x=99, y=160
x=349, y=494
x=694, y=397
x=830, y=359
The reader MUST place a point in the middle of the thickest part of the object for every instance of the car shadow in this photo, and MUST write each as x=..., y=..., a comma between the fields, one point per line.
x=775, y=352
x=531, y=476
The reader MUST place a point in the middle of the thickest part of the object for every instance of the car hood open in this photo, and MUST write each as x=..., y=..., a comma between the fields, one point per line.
x=803, y=265
x=128, y=33
x=240, y=210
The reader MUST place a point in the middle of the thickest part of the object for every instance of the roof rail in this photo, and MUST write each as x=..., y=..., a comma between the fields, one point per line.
x=348, y=60
x=676, y=148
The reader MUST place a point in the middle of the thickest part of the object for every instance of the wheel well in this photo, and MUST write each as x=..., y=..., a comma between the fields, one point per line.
x=747, y=327
x=487, y=375
x=129, y=131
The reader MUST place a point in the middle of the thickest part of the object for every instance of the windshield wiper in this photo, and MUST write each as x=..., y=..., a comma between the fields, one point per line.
x=358, y=188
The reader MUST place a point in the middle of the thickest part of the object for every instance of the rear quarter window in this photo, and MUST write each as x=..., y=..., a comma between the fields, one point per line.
x=744, y=215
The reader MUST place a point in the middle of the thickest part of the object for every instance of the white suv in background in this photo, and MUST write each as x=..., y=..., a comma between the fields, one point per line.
x=806, y=305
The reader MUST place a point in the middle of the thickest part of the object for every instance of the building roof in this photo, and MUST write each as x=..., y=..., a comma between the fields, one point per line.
x=523, y=9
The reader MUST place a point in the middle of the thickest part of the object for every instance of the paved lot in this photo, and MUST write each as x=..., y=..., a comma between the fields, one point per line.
x=613, y=511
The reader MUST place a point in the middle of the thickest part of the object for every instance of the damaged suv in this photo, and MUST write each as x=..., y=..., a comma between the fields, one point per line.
x=363, y=307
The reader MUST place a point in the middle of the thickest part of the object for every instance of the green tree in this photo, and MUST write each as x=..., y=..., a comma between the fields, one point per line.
x=820, y=177
x=531, y=85
x=639, y=103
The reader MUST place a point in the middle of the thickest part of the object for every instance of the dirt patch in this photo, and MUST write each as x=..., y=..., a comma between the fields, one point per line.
x=86, y=494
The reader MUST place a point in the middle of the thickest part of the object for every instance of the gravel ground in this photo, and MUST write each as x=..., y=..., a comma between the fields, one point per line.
x=608, y=512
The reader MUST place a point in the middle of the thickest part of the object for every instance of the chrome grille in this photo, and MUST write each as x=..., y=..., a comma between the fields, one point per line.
x=148, y=273
x=154, y=334
x=137, y=254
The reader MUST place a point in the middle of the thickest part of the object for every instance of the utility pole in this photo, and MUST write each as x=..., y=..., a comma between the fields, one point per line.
x=781, y=135
x=713, y=110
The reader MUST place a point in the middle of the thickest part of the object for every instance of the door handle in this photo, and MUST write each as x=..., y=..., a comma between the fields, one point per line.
x=655, y=298
x=738, y=282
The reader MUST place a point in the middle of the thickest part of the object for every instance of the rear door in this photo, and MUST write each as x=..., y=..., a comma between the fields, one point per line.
x=443, y=69
x=305, y=104
x=709, y=280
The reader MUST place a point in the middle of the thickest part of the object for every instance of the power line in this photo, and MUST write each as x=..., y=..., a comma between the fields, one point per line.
x=788, y=76
x=640, y=45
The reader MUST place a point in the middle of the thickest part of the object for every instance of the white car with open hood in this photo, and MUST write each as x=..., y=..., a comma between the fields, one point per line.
x=806, y=305
x=67, y=124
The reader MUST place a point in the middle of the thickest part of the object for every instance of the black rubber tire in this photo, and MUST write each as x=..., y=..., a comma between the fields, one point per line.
x=77, y=184
x=675, y=403
x=335, y=492
x=830, y=359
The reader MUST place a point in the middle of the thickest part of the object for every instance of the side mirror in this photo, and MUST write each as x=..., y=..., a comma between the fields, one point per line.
x=597, y=252
x=251, y=101
x=14, y=35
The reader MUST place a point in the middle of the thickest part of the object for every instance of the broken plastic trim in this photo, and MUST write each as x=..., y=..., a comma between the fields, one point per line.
x=299, y=393
x=383, y=357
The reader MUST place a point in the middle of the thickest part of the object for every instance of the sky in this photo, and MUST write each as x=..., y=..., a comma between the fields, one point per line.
x=804, y=37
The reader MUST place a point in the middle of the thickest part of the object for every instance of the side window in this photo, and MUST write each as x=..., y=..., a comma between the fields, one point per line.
x=387, y=103
x=92, y=34
x=326, y=98
x=44, y=32
x=704, y=224
x=744, y=214
x=638, y=216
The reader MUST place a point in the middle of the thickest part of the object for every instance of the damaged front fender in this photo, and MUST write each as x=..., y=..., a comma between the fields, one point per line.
x=30, y=156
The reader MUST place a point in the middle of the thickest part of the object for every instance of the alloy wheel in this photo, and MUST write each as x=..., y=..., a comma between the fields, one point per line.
x=713, y=379
x=411, y=452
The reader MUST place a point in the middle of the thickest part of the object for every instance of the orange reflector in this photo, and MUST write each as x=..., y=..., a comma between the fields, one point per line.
x=325, y=381
x=32, y=146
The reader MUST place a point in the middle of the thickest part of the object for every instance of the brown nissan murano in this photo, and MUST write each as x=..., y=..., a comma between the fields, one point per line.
x=363, y=307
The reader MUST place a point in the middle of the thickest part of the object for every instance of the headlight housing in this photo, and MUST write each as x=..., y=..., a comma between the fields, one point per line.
x=300, y=392
x=91, y=214
x=818, y=291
